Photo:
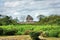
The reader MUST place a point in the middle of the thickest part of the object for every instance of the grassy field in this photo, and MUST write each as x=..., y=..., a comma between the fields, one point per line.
x=51, y=30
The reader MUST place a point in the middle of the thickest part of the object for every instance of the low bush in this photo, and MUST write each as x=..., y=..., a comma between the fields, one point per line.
x=59, y=35
x=27, y=32
x=1, y=31
x=19, y=33
x=52, y=33
x=11, y=32
x=35, y=35
x=46, y=33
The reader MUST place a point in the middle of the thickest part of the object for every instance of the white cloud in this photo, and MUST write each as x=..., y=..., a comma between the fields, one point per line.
x=16, y=13
x=16, y=8
x=13, y=3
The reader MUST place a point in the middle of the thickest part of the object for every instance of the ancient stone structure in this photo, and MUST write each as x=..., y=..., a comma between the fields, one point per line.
x=29, y=19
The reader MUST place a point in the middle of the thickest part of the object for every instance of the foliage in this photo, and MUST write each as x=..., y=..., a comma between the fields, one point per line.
x=59, y=35
x=53, y=33
x=35, y=35
x=6, y=20
x=10, y=32
x=1, y=31
x=52, y=19
x=50, y=30
x=27, y=32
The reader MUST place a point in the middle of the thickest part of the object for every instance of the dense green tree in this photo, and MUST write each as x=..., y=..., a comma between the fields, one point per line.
x=52, y=19
x=6, y=20
x=40, y=17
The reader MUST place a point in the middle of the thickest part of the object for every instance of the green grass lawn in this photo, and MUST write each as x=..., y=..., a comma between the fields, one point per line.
x=51, y=30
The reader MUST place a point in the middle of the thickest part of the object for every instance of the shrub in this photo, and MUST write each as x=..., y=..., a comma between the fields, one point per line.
x=59, y=35
x=19, y=33
x=43, y=34
x=11, y=32
x=1, y=31
x=35, y=35
x=46, y=33
x=27, y=32
x=52, y=33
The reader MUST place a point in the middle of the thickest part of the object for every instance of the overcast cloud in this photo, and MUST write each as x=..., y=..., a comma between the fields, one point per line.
x=16, y=8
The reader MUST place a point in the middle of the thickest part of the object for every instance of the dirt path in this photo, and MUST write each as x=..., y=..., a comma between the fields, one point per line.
x=22, y=37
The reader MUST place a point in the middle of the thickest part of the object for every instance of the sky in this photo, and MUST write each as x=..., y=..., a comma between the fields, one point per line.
x=18, y=8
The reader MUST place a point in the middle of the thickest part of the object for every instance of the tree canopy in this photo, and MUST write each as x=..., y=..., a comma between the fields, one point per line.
x=6, y=20
x=52, y=19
